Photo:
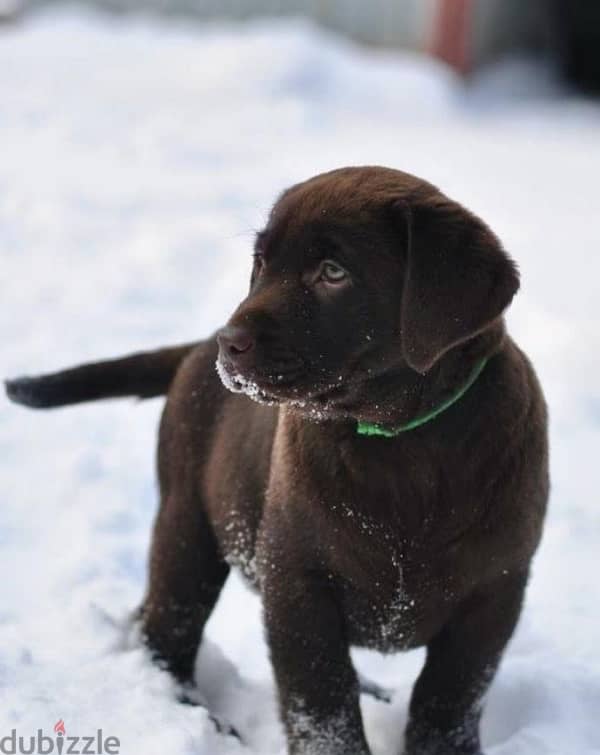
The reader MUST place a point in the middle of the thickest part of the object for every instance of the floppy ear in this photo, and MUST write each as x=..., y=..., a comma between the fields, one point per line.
x=458, y=279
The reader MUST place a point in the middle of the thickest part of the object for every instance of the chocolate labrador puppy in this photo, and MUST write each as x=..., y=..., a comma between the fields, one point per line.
x=372, y=454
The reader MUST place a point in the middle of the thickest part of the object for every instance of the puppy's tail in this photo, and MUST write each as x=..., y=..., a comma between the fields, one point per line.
x=144, y=375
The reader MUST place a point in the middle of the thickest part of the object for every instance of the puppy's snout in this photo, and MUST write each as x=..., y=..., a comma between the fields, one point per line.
x=235, y=341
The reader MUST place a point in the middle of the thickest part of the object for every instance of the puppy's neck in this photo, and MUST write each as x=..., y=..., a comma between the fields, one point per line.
x=399, y=397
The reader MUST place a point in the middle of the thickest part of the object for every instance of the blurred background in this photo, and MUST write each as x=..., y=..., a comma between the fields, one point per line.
x=466, y=34
x=142, y=143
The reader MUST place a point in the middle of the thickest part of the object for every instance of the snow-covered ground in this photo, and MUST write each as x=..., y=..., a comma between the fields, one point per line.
x=135, y=161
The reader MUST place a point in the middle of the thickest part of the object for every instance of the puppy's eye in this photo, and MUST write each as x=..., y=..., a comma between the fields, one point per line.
x=332, y=273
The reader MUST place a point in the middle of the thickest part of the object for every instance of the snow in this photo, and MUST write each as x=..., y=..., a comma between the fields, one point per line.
x=137, y=158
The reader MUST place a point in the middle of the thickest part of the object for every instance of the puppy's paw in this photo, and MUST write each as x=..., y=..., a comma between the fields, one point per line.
x=189, y=694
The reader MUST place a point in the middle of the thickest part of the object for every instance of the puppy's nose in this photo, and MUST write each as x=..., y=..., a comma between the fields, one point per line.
x=235, y=340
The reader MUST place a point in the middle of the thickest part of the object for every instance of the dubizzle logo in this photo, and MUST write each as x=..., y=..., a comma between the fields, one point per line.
x=42, y=744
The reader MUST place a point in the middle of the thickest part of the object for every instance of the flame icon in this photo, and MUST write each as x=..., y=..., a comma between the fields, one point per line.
x=59, y=727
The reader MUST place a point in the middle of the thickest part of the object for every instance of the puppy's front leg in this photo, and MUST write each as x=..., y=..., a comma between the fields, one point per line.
x=318, y=687
x=461, y=661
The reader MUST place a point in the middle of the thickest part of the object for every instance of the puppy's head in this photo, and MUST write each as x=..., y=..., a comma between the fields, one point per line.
x=358, y=273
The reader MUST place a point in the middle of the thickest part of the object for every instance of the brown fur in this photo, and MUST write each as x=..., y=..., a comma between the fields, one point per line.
x=390, y=543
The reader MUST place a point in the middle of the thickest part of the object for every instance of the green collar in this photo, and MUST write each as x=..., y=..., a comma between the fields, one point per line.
x=367, y=428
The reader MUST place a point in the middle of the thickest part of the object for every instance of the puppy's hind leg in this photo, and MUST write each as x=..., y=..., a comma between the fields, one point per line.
x=187, y=573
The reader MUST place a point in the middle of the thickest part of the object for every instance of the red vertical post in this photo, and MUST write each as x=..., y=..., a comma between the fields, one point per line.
x=452, y=34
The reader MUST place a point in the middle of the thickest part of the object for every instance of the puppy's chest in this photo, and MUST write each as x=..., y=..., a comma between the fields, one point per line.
x=395, y=586
x=399, y=608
